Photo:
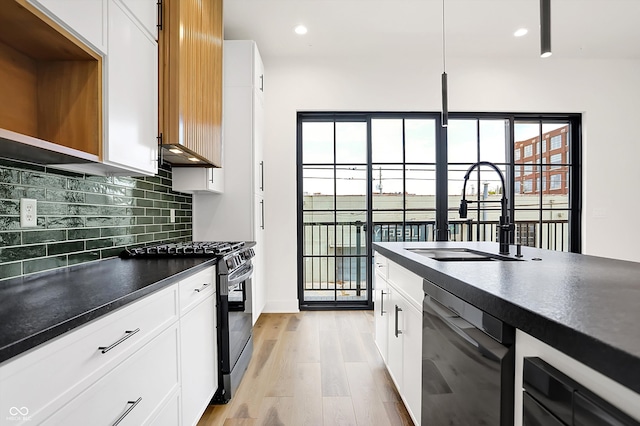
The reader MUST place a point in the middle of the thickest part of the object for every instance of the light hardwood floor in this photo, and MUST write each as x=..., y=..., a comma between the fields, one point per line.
x=313, y=368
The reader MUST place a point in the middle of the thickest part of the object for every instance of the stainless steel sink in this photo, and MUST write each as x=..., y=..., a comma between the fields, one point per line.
x=460, y=255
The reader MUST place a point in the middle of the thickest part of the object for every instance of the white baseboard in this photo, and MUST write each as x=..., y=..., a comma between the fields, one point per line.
x=281, y=306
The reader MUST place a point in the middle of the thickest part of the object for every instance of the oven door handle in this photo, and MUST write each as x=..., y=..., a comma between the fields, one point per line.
x=486, y=345
x=244, y=274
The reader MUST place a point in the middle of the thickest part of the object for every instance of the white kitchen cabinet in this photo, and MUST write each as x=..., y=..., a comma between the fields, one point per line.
x=398, y=334
x=146, y=13
x=132, y=91
x=199, y=359
x=133, y=392
x=198, y=179
x=73, y=362
x=238, y=213
x=161, y=348
x=198, y=347
x=86, y=19
x=381, y=306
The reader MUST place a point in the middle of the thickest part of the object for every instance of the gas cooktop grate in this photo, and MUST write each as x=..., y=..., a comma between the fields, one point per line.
x=189, y=249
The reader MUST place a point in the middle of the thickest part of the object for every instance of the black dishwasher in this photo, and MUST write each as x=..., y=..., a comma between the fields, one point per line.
x=550, y=397
x=467, y=363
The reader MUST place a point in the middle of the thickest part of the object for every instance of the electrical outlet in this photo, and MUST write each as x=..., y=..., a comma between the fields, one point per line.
x=172, y=215
x=28, y=212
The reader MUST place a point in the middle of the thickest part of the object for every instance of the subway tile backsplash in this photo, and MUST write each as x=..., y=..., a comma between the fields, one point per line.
x=82, y=218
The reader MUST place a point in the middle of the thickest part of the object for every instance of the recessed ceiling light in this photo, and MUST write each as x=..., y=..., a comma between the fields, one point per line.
x=194, y=159
x=520, y=32
x=175, y=150
x=300, y=29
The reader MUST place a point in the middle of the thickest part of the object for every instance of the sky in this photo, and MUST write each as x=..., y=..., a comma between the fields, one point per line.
x=386, y=135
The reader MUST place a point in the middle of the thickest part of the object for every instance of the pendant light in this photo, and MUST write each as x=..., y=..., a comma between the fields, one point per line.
x=545, y=28
x=445, y=100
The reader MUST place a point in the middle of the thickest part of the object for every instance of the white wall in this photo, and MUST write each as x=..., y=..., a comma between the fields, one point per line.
x=606, y=92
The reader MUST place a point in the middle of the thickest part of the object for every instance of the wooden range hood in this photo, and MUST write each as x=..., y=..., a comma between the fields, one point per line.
x=191, y=82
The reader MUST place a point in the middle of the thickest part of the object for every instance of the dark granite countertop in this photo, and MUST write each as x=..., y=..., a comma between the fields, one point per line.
x=585, y=306
x=39, y=307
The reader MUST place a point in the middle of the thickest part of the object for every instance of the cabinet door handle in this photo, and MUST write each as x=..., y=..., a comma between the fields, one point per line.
x=262, y=82
x=398, y=309
x=204, y=286
x=133, y=405
x=262, y=214
x=382, y=295
x=127, y=334
x=262, y=176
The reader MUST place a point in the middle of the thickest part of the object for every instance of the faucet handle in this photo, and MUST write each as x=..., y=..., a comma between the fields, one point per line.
x=463, y=209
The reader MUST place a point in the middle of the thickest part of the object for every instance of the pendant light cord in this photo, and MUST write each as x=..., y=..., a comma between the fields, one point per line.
x=444, y=61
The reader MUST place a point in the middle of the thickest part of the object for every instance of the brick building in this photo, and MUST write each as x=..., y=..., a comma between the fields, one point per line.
x=542, y=167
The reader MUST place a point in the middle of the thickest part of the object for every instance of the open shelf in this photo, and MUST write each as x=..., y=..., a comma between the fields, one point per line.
x=50, y=82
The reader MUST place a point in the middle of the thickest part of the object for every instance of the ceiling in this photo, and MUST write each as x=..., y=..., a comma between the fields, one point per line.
x=580, y=28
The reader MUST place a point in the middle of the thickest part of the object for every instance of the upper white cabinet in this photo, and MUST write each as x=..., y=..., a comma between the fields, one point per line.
x=84, y=18
x=198, y=179
x=124, y=32
x=132, y=82
x=238, y=214
x=146, y=13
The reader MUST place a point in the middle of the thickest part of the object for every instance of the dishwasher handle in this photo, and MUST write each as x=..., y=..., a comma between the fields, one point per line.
x=487, y=346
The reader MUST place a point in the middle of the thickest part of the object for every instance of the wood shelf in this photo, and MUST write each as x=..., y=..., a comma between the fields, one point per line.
x=50, y=82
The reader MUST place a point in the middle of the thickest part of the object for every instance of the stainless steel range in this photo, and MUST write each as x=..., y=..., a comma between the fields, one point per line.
x=233, y=303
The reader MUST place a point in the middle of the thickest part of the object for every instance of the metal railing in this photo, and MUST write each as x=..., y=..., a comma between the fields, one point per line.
x=335, y=253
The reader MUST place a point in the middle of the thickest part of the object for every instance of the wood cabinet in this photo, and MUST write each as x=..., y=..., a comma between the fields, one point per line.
x=239, y=213
x=50, y=89
x=124, y=33
x=191, y=81
x=398, y=329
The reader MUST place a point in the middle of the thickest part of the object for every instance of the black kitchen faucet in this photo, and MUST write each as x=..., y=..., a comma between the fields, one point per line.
x=505, y=227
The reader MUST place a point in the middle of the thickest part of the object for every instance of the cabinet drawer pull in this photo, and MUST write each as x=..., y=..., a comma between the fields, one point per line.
x=398, y=331
x=127, y=334
x=133, y=405
x=382, y=295
x=204, y=286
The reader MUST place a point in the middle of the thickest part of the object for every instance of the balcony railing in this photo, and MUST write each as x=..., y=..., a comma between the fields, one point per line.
x=335, y=253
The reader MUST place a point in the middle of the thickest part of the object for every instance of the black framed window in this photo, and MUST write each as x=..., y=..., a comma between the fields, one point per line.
x=365, y=177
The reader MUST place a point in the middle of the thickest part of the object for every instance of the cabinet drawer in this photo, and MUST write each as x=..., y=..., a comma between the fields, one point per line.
x=196, y=288
x=381, y=265
x=132, y=392
x=45, y=378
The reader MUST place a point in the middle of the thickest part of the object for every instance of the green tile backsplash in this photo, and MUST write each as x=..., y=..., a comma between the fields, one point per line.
x=82, y=218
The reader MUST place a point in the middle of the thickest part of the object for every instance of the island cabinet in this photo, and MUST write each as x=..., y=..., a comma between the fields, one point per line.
x=191, y=82
x=603, y=393
x=398, y=329
x=151, y=362
x=124, y=33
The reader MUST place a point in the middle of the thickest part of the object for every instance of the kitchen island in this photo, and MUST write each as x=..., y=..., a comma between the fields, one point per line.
x=584, y=307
